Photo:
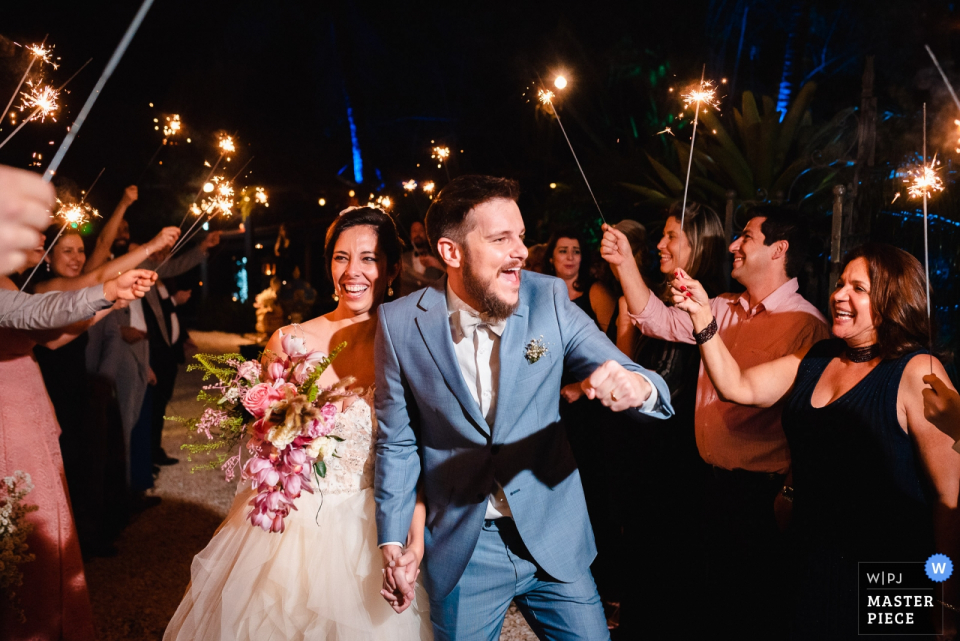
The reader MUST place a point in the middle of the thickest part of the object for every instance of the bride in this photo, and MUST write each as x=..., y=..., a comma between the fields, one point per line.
x=321, y=577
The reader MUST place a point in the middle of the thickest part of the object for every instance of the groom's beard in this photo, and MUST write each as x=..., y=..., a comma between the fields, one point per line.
x=482, y=291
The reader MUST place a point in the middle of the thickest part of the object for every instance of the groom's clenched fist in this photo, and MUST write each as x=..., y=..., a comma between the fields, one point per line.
x=616, y=387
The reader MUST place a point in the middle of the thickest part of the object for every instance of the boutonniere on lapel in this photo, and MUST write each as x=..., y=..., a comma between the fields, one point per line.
x=535, y=350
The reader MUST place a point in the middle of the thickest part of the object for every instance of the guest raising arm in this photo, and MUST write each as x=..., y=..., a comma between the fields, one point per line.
x=103, y=250
x=864, y=454
x=69, y=254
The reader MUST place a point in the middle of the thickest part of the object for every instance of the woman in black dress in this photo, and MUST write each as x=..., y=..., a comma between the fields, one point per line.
x=874, y=479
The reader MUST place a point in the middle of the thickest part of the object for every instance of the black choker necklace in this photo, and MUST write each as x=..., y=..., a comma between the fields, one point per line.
x=863, y=354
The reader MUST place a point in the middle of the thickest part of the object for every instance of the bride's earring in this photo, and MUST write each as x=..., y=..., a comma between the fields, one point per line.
x=336, y=297
x=48, y=266
x=390, y=289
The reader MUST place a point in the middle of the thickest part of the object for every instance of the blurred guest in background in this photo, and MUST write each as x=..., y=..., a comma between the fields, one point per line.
x=420, y=266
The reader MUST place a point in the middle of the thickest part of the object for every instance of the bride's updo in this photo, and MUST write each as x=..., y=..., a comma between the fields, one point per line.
x=388, y=239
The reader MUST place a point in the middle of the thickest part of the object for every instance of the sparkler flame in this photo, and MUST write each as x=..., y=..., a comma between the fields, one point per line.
x=260, y=196
x=704, y=94
x=75, y=214
x=384, y=202
x=545, y=96
x=43, y=54
x=173, y=126
x=441, y=153
x=410, y=185
x=923, y=180
x=226, y=145
x=42, y=97
x=429, y=186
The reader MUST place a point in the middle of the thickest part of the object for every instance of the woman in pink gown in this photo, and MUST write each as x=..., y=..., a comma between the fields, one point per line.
x=54, y=591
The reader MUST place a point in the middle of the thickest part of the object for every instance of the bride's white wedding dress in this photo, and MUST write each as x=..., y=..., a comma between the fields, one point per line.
x=319, y=579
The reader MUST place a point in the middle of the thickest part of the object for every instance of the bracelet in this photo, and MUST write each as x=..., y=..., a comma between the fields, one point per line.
x=707, y=333
x=787, y=493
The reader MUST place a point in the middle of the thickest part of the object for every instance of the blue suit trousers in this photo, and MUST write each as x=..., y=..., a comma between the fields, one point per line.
x=501, y=570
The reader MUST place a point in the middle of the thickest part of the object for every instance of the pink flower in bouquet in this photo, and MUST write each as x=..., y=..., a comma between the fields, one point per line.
x=263, y=472
x=291, y=486
x=249, y=370
x=275, y=372
x=288, y=390
x=325, y=424
x=303, y=369
x=259, y=399
x=293, y=346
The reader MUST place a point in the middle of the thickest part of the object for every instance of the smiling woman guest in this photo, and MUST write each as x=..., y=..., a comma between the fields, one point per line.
x=874, y=479
x=565, y=260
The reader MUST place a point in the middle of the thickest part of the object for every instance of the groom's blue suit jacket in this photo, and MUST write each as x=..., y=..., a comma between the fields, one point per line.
x=433, y=434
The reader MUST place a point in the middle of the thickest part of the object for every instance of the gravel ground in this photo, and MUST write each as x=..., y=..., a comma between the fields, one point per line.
x=135, y=593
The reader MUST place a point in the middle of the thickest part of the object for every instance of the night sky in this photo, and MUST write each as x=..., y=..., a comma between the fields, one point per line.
x=282, y=74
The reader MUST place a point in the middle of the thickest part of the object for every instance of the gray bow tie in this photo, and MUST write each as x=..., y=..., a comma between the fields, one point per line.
x=469, y=322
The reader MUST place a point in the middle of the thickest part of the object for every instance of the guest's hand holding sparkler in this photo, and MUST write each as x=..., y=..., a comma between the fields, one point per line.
x=615, y=249
x=941, y=406
x=130, y=196
x=25, y=203
x=129, y=285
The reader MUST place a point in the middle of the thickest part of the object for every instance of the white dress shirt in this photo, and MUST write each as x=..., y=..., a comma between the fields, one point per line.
x=137, y=319
x=174, y=321
x=479, y=360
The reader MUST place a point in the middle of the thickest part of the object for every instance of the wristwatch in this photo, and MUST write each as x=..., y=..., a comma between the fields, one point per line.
x=787, y=493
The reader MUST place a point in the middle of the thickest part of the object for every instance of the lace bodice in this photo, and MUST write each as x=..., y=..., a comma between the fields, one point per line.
x=352, y=469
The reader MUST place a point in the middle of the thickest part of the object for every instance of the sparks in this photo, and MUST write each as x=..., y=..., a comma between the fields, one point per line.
x=75, y=214
x=667, y=131
x=260, y=196
x=428, y=186
x=410, y=185
x=226, y=145
x=897, y=195
x=545, y=96
x=923, y=180
x=42, y=98
x=384, y=202
x=441, y=153
x=43, y=54
x=172, y=126
x=705, y=94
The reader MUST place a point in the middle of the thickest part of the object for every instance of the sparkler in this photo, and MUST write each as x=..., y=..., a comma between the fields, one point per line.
x=97, y=89
x=75, y=215
x=39, y=53
x=410, y=185
x=45, y=98
x=925, y=183
x=704, y=95
x=172, y=127
x=545, y=96
x=226, y=145
x=260, y=197
x=428, y=187
x=953, y=94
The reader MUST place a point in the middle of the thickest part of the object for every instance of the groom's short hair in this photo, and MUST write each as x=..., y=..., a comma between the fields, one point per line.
x=447, y=215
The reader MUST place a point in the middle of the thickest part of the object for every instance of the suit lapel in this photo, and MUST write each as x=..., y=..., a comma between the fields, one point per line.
x=511, y=348
x=434, y=325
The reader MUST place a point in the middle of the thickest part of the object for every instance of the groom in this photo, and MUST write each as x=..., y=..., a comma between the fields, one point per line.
x=467, y=400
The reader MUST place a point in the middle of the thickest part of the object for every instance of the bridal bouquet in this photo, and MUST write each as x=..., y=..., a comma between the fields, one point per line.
x=285, y=415
x=14, y=530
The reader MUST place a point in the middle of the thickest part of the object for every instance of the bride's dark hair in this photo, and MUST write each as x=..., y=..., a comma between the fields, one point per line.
x=387, y=237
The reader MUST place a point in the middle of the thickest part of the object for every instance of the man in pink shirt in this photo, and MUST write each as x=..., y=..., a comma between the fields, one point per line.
x=745, y=446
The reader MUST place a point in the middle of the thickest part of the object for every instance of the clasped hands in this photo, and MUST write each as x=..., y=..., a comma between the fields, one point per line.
x=400, y=571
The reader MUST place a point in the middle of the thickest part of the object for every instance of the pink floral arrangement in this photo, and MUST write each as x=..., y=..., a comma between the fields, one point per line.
x=285, y=416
